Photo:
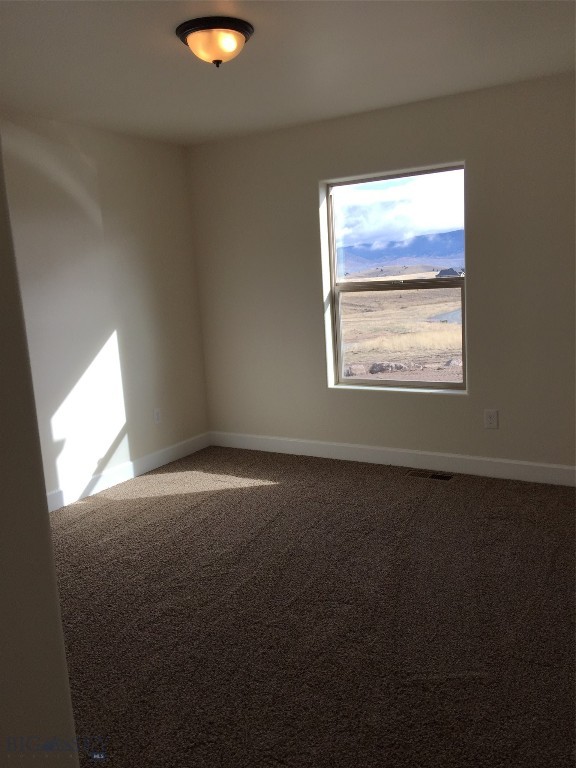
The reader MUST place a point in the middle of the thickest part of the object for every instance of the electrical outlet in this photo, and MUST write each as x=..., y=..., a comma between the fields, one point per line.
x=157, y=416
x=491, y=418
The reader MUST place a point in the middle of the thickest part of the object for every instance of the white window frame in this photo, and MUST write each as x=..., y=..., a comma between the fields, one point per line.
x=338, y=288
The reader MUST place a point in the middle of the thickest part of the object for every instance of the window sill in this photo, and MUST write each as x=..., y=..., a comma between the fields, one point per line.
x=408, y=390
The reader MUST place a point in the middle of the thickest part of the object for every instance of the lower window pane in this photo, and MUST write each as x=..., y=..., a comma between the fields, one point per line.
x=405, y=335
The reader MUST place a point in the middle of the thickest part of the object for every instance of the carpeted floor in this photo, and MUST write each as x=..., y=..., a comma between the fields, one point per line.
x=239, y=609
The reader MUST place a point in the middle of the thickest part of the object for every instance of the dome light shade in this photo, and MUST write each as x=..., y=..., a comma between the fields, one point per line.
x=215, y=38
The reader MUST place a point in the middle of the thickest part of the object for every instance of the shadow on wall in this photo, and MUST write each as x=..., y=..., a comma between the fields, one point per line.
x=68, y=308
x=87, y=243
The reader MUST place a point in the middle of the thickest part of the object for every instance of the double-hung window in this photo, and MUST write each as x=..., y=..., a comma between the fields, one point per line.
x=397, y=280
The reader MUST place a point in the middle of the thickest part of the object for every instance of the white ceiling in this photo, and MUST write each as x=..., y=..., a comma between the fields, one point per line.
x=118, y=63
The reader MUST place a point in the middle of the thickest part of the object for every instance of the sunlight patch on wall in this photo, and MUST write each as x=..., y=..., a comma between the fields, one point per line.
x=91, y=423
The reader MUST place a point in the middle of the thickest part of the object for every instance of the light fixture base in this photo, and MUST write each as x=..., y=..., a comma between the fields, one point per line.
x=214, y=22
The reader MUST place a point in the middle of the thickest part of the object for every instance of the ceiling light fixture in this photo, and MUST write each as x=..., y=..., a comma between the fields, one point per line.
x=215, y=38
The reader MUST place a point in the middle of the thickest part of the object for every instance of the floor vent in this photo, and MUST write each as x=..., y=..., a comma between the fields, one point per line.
x=428, y=474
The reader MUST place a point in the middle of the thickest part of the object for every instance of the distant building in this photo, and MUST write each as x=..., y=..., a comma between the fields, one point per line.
x=450, y=273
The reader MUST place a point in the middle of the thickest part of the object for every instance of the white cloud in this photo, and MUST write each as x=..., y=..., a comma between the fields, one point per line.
x=399, y=209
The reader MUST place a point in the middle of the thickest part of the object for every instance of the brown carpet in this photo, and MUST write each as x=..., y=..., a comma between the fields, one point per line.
x=239, y=609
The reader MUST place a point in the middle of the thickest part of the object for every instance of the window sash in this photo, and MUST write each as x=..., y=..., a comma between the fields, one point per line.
x=396, y=285
x=337, y=288
x=366, y=286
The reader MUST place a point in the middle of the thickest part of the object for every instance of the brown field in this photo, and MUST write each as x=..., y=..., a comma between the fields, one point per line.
x=404, y=327
x=393, y=273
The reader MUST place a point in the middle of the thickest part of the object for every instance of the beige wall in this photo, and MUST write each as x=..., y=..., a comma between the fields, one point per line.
x=104, y=244
x=255, y=205
x=34, y=697
x=102, y=235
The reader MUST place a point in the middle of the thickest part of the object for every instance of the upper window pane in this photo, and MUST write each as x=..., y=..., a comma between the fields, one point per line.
x=400, y=228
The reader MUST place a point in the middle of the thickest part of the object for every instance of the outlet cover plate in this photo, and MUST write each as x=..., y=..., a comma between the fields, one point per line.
x=491, y=420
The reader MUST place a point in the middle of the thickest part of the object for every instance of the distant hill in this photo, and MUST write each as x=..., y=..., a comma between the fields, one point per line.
x=438, y=251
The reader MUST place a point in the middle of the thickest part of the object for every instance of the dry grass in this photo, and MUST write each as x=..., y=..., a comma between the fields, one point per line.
x=401, y=326
x=419, y=341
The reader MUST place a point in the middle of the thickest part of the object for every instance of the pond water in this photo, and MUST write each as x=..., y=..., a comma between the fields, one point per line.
x=455, y=316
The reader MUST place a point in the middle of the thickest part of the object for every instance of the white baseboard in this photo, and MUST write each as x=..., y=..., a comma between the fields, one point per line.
x=554, y=474
x=171, y=453
x=130, y=469
x=55, y=499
